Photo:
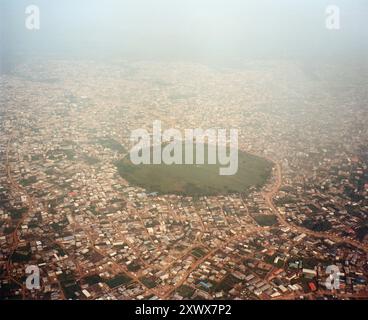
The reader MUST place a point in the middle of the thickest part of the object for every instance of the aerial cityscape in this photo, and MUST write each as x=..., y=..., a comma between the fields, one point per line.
x=97, y=227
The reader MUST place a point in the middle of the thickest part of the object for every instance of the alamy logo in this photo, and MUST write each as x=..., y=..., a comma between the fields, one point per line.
x=333, y=279
x=33, y=280
x=333, y=18
x=167, y=147
x=32, y=17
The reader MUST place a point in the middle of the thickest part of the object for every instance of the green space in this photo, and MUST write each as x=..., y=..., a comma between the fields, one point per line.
x=198, y=253
x=8, y=230
x=150, y=283
x=362, y=233
x=265, y=220
x=90, y=160
x=197, y=180
x=22, y=254
x=17, y=214
x=28, y=181
x=318, y=225
x=111, y=144
x=118, y=281
x=185, y=291
x=227, y=283
x=59, y=154
x=69, y=285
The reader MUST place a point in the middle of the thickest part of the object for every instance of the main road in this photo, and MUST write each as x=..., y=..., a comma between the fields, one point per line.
x=325, y=235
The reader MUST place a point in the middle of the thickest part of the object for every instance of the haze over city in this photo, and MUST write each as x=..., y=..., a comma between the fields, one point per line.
x=97, y=202
x=220, y=32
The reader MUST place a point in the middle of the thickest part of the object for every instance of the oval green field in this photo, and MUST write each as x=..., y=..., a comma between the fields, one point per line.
x=197, y=180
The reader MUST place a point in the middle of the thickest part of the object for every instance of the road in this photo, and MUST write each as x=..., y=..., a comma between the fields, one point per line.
x=14, y=187
x=165, y=293
x=325, y=235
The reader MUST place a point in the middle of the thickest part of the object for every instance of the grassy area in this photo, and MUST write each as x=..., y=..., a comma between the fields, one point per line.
x=197, y=180
x=148, y=282
x=319, y=226
x=265, y=220
x=198, y=253
x=185, y=291
x=111, y=144
x=22, y=255
x=17, y=214
x=227, y=283
x=362, y=233
x=118, y=281
x=69, y=285
x=28, y=181
x=90, y=160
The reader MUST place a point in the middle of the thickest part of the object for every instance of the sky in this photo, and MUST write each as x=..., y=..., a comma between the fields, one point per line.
x=215, y=31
